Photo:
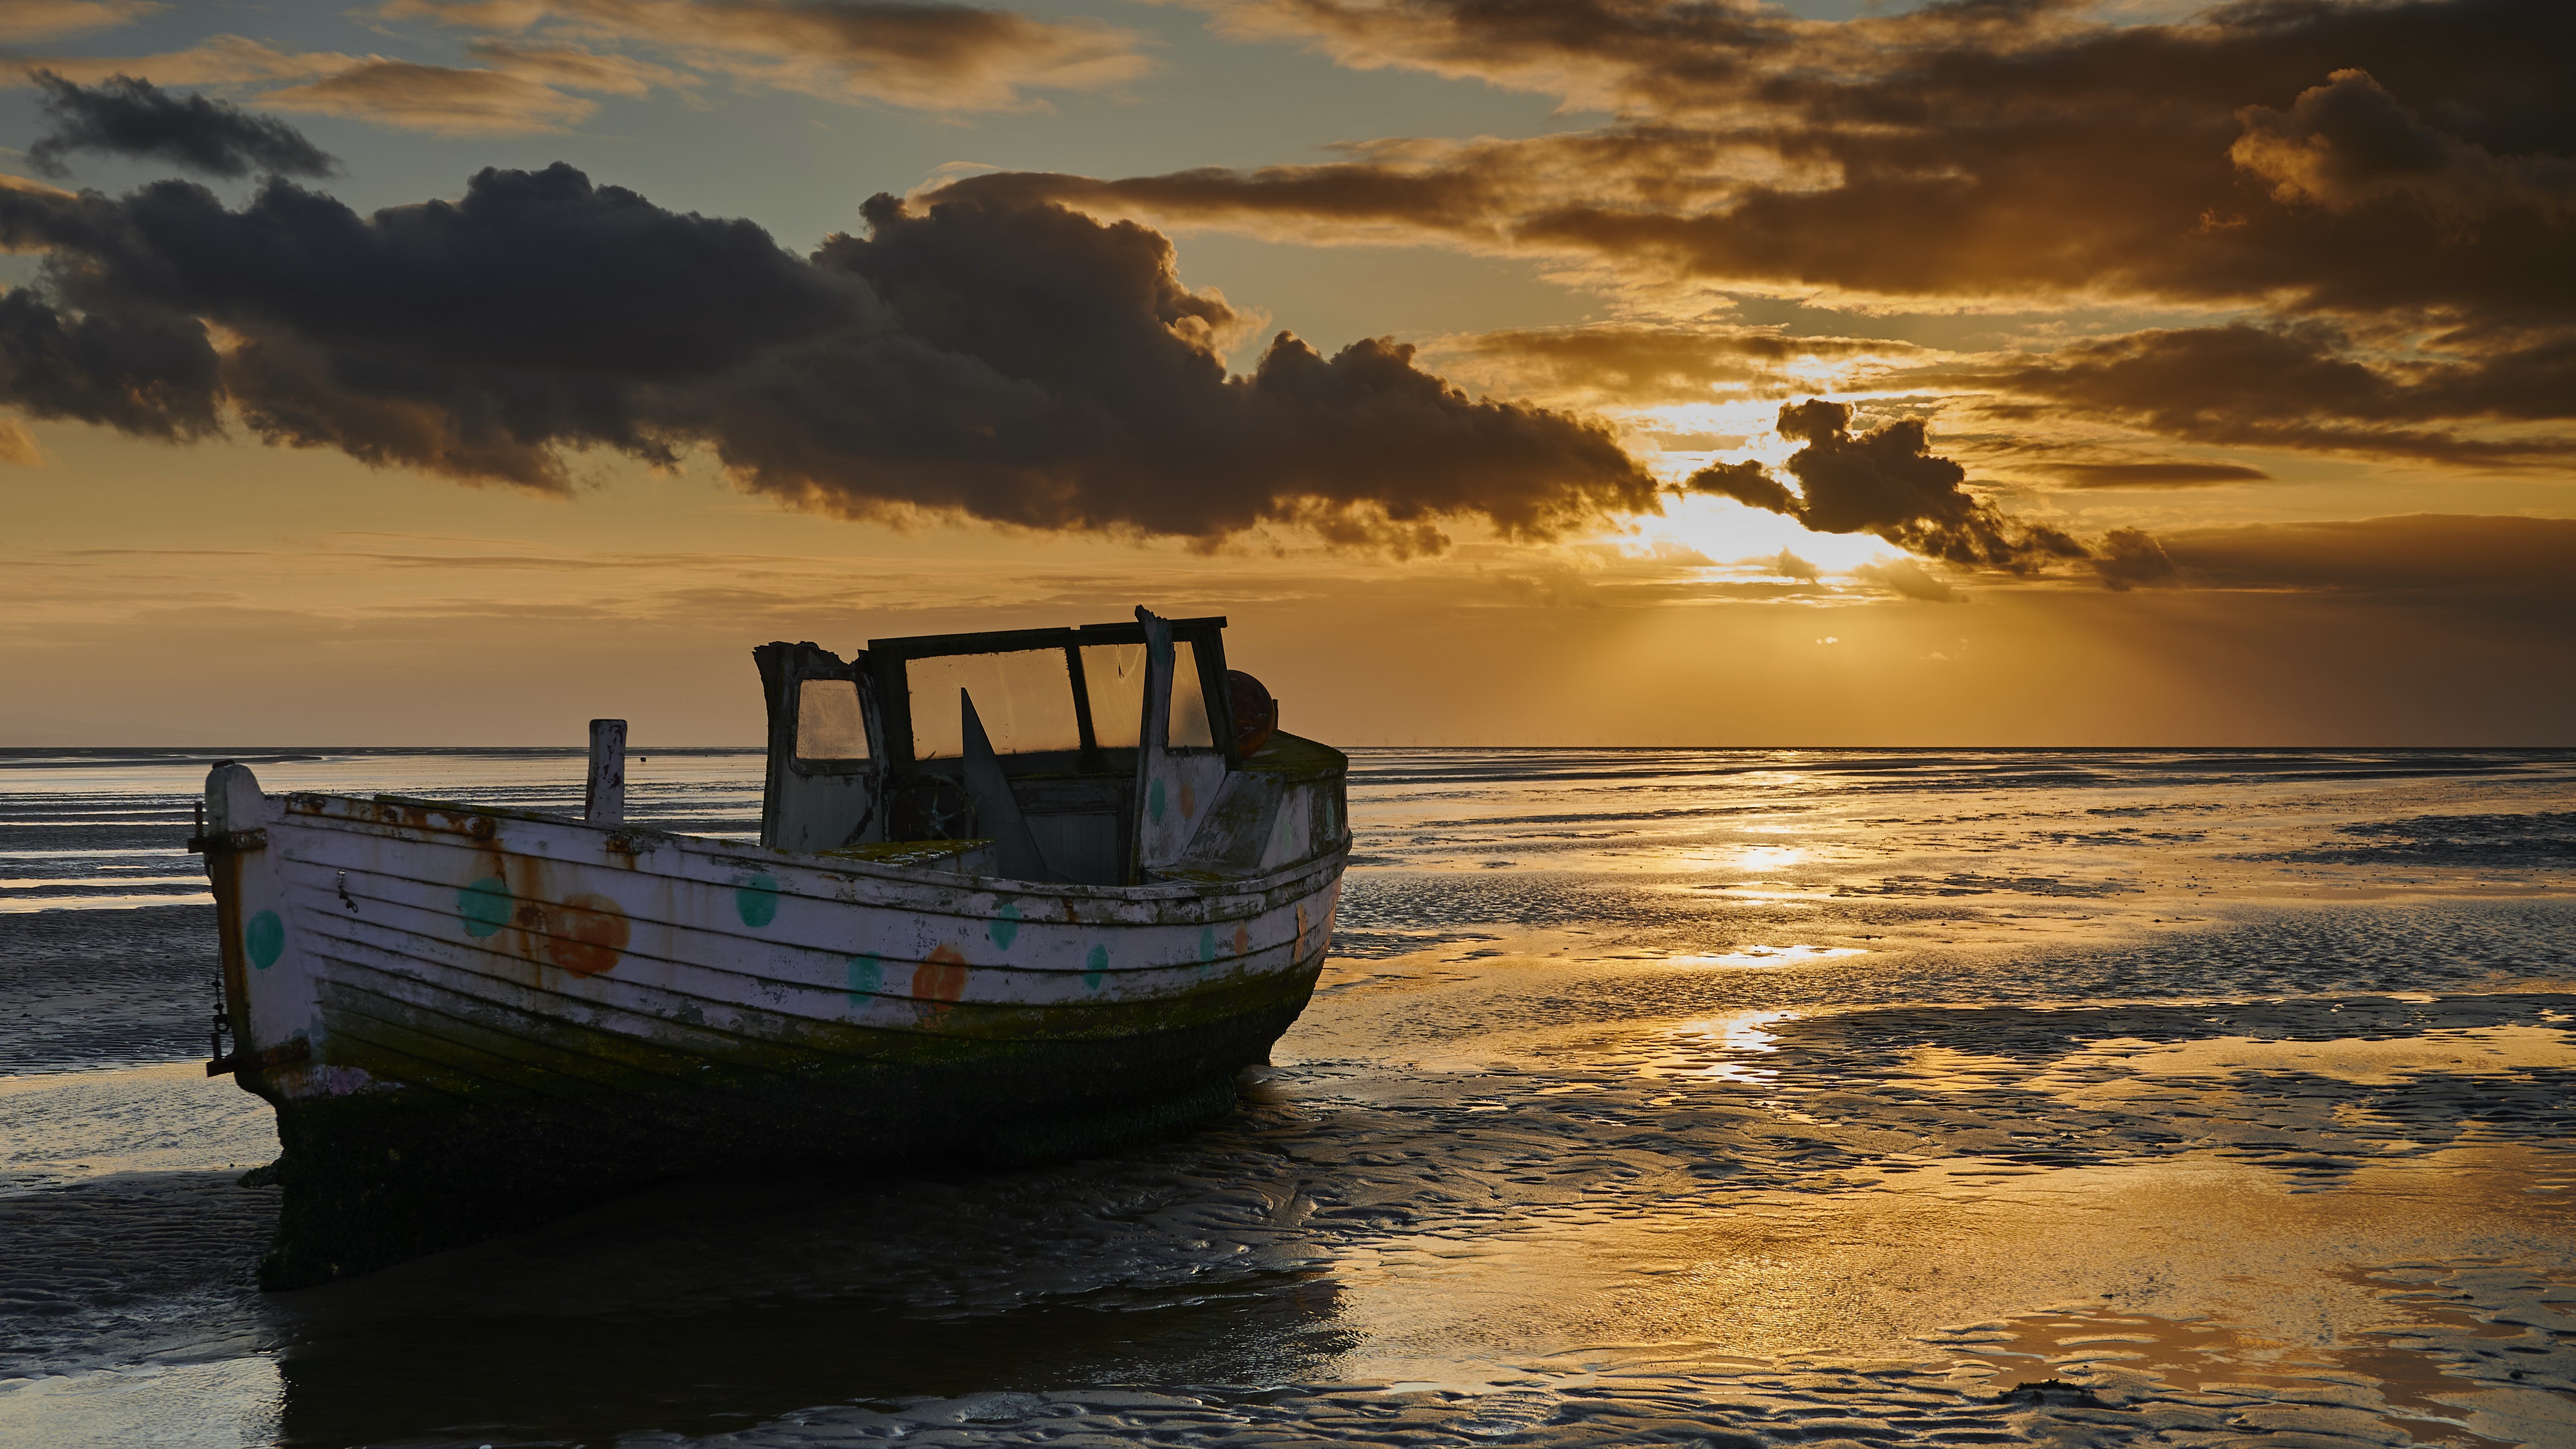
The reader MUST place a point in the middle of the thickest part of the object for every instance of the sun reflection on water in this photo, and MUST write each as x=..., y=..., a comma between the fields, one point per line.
x=1768, y=956
x=1769, y=857
x=1730, y=1037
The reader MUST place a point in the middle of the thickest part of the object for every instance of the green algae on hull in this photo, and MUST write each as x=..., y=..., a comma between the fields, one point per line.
x=371, y=1179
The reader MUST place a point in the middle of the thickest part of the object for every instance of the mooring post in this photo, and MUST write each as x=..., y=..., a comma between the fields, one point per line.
x=603, y=802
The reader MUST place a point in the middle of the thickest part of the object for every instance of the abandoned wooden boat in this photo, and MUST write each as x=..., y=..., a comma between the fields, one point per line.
x=1016, y=894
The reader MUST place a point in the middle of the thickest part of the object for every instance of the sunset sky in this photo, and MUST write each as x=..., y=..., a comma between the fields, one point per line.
x=1508, y=371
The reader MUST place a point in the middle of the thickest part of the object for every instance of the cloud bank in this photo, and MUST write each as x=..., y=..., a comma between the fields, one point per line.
x=1013, y=362
x=2385, y=191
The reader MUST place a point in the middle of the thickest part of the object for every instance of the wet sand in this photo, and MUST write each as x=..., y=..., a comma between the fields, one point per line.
x=1556, y=1158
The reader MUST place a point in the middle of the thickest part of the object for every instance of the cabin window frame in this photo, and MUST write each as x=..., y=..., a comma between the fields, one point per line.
x=886, y=660
x=809, y=765
x=784, y=669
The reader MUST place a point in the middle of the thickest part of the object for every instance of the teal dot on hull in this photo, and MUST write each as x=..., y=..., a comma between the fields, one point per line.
x=1207, y=946
x=755, y=899
x=1006, y=927
x=1095, y=968
x=485, y=905
x=867, y=978
x=265, y=939
x=1154, y=801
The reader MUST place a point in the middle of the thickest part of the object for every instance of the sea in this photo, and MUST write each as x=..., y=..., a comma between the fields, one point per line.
x=1722, y=1097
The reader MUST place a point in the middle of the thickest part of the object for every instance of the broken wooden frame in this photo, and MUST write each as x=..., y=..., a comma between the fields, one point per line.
x=1085, y=797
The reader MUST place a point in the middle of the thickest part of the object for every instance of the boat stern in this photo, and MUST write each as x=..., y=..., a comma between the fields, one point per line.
x=268, y=1036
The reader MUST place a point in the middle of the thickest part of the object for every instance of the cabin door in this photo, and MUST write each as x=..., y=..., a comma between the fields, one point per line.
x=825, y=789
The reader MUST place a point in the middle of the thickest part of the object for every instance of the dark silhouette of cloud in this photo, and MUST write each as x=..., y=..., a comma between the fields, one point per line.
x=2174, y=474
x=1018, y=363
x=1886, y=482
x=1750, y=484
x=126, y=116
x=152, y=375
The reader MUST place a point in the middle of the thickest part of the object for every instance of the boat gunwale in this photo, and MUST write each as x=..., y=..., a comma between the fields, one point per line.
x=1214, y=885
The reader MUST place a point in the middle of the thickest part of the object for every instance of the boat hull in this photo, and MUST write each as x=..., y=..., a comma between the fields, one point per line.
x=470, y=1021
x=371, y=1179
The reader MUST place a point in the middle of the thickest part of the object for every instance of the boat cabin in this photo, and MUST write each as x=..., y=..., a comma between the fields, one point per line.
x=1092, y=755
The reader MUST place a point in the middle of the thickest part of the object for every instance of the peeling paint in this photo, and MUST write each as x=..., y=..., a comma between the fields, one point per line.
x=485, y=906
x=586, y=934
x=755, y=899
x=867, y=979
x=941, y=978
x=265, y=939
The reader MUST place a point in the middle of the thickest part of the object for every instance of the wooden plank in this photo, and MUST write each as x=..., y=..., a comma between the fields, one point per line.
x=1005, y=641
x=661, y=997
x=1030, y=957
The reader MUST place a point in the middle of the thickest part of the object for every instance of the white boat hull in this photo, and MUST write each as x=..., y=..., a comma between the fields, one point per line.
x=470, y=1019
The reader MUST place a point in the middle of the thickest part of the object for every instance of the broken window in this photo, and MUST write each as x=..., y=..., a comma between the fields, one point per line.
x=828, y=723
x=1190, y=729
x=1114, y=676
x=1024, y=698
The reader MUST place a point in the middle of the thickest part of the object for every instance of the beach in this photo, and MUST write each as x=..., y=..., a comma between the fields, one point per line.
x=1742, y=1097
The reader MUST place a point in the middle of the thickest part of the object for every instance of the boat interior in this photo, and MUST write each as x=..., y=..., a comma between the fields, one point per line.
x=1027, y=753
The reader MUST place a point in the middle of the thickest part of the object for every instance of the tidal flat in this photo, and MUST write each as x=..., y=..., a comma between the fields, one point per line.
x=1651, y=1096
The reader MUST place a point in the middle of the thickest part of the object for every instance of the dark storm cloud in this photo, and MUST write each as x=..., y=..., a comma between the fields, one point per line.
x=1887, y=482
x=124, y=116
x=1019, y=363
x=154, y=376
